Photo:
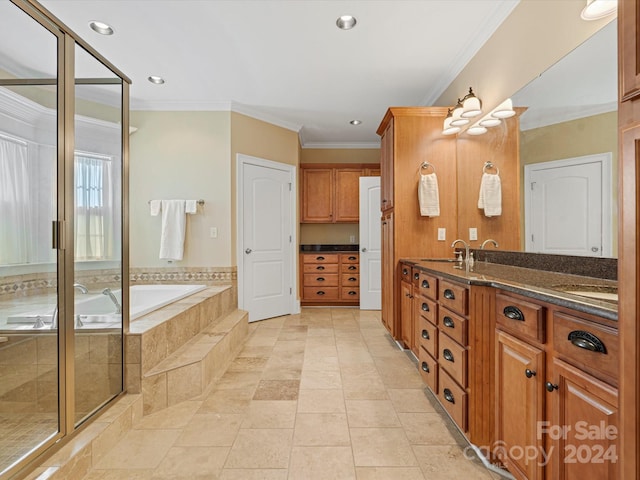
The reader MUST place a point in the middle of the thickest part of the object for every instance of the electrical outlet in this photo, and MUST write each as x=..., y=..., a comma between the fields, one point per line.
x=352, y=238
x=473, y=234
x=213, y=232
x=442, y=234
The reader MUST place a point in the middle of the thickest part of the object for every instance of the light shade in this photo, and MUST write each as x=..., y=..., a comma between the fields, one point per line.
x=490, y=122
x=447, y=128
x=596, y=9
x=471, y=105
x=457, y=120
x=504, y=110
x=476, y=130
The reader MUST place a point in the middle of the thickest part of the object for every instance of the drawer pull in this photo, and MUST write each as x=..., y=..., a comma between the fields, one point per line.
x=405, y=271
x=513, y=313
x=587, y=341
x=448, y=322
x=320, y=292
x=351, y=292
x=320, y=268
x=416, y=276
x=448, y=396
x=448, y=356
x=550, y=386
x=353, y=258
x=319, y=258
x=425, y=307
x=425, y=367
x=425, y=284
x=530, y=373
x=320, y=279
x=425, y=335
x=352, y=279
x=449, y=295
x=352, y=267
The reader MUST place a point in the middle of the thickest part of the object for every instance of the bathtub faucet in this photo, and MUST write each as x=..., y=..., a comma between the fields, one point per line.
x=54, y=317
x=109, y=293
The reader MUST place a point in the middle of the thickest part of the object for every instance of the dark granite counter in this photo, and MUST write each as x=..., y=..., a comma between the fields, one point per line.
x=538, y=284
x=328, y=248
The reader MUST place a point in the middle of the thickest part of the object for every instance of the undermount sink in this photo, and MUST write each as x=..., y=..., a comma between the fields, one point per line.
x=597, y=292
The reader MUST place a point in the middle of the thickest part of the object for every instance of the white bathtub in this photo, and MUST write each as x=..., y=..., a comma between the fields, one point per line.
x=98, y=308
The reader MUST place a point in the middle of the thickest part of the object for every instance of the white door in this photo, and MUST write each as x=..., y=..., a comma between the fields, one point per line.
x=265, y=239
x=370, y=244
x=568, y=206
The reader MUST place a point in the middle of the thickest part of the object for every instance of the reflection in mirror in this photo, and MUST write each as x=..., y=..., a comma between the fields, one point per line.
x=571, y=118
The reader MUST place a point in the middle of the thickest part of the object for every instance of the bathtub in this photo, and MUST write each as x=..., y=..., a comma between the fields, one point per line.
x=99, y=309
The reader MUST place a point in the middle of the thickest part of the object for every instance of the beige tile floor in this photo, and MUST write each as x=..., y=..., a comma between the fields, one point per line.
x=321, y=395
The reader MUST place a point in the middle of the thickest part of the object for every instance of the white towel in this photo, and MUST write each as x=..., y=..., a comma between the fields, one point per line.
x=191, y=206
x=428, y=195
x=490, y=197
x=154, y=207
x=173, y=229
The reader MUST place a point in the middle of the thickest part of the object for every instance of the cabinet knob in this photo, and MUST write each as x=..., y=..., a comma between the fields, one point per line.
x=448, y=396
x=448, y=356
x=320, y=292
x=448, y=322
x=320, y=279
x=550, y=386
x=425, y=335
x=320, y=268
x=425, y=307
x=416, y=276
x=319, y=258
x=449, y=295
x=351, y=292
x=405, y=271
x=425, y=367
x=513, y=313
x=425, y=284
x=530, y=373
x=352, y=267
x=586, y=341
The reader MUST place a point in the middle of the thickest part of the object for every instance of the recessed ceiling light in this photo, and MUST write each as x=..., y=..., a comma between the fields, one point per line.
x=156, y=79
x=355, y=122
x=101, y=27
x=346, y=22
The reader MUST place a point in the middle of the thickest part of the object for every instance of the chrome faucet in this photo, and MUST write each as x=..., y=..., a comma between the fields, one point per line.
x=466, y=248
x=54, y=318
x=109, y=293
x=81, y=287
x=495, y=244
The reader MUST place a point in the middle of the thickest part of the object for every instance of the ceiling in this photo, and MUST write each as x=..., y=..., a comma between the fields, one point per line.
x=285, y=61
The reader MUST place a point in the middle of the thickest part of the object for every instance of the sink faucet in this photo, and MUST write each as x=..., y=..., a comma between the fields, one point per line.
x=109, y=293
x=495, y=244
x=54, y=317
x=466, y=248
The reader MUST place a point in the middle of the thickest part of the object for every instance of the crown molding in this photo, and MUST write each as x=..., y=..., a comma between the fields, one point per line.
x=565, y=114
x=343, y=145
x=179, y=106
x=265, y=117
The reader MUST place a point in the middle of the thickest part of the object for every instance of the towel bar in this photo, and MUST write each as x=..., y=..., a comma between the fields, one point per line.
x=427, y=165
x=199, y=202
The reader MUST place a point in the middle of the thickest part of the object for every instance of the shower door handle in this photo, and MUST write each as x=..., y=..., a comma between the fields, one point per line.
x=248, y=251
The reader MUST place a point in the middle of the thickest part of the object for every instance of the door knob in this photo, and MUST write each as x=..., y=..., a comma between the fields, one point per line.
x=247, y=251
x=364, y=249
x=594, y=249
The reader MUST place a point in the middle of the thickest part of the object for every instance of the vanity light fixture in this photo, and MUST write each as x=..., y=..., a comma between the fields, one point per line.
x=355, y=122
x=346, y=22
x=476, y=130
x=101, y=27
x=156, y=79
x=597, y=9
x=504, y=110
x=457, y=120
x=447, y=128
x=471, y=105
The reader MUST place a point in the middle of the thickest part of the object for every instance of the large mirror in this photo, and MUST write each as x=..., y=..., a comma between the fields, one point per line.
x=569, y=153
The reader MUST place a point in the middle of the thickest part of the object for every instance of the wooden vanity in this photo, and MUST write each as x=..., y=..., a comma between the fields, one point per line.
x=528, y=373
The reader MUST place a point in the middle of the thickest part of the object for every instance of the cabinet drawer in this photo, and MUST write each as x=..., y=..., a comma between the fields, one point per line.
x=428, y=370
x=317, y=267
x=453, y=325
x=428, y=309
x=349, y=257
x=518, y=316
x=320, y=258
x=587, y=345
x=428, y=286
x=350, y=280
x=350, y=293
x=321, y=293
x=350, y=268
x=453, y=399
x=405, y=273
x=428, y=335
x=320, y=279
x=453, y=296
x=453, y=358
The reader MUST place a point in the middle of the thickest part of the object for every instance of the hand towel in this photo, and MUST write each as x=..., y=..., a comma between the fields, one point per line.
x=191, y=206
x=173, y=229
x=490, y=198
x=428, y=195
x=154, y=207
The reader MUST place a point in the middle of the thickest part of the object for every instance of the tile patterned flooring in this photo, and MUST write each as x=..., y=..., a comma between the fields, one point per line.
x=322, y=395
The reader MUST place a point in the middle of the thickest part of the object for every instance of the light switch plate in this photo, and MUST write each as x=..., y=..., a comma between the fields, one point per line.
x=442, y=234
x=213, y=232
x=473, y=234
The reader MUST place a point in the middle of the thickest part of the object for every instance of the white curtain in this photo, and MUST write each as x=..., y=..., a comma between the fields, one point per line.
x=16, y=203
x=94, y=229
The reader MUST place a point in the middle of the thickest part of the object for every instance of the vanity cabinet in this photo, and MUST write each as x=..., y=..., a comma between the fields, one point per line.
x=330, y=278
x=329, y=193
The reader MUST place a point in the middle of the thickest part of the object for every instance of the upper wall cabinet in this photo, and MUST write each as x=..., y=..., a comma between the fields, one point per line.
x=330, y=192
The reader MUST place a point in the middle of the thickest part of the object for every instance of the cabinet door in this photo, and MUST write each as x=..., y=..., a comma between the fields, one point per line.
x=519, y=406
x=629, y=62
x=388, y=270
x=584, y=425
x=406, y=313
x=347, y=194
x=386, y=168
x=317, y=195
x=372, y=172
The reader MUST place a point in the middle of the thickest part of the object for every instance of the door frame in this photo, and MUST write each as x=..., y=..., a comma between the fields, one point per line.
x=241, y=161
x=605, y=159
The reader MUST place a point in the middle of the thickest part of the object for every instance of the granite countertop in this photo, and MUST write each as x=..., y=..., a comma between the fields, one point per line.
x=537, y=284
x=328, y=248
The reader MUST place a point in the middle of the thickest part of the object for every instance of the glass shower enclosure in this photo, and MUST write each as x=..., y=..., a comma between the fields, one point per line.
x=63, y=230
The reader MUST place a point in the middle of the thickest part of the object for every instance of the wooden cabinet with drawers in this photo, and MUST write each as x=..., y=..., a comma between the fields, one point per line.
x=330, y=278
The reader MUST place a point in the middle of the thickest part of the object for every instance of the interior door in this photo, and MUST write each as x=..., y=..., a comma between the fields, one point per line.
x=266, y=240
x=370, y=244
x=568, y=206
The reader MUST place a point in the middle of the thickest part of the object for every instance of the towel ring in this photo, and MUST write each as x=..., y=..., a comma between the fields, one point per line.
x=426, y=165
x=489, y=165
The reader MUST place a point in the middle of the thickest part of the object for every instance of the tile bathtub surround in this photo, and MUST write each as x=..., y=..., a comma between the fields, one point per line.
x=323, y=394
